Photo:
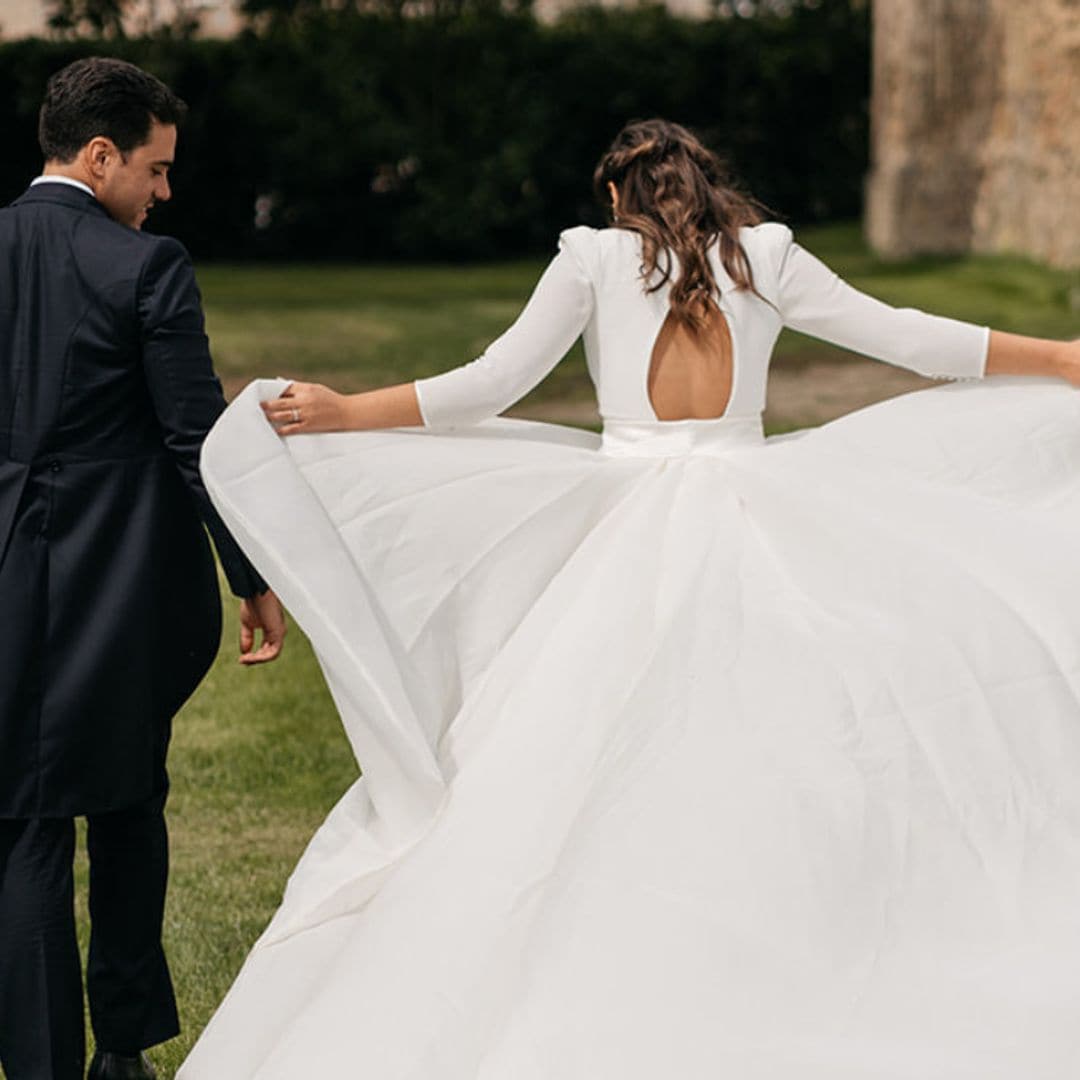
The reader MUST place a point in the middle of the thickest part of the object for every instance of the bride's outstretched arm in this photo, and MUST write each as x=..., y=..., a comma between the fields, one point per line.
x=811, y=298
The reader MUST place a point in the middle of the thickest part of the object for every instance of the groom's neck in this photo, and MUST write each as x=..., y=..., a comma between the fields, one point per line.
x=71, y=170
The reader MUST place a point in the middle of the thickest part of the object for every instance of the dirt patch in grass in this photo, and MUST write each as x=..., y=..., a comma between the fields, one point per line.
x=805, y=394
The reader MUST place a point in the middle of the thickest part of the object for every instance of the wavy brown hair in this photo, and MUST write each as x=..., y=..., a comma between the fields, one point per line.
x=677, y=194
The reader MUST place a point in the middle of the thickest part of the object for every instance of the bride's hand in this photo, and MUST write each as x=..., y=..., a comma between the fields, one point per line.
x=304, y=408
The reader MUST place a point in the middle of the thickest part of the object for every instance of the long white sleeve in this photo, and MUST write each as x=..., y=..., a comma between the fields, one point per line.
x=815, y=301
x=515, y=362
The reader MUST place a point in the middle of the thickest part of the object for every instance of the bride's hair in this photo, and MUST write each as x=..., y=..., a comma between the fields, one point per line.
x=677, y=195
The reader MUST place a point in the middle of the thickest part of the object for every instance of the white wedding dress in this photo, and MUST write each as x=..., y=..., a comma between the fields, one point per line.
x=687, y=753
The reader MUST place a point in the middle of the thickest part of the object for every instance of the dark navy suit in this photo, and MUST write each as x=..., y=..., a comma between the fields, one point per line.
x=109, y=610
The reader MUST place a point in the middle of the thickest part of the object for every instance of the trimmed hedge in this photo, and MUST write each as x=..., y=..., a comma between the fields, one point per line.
x=367, y=136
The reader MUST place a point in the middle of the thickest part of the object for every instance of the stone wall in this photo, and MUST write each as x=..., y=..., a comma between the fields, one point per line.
x=975, y=125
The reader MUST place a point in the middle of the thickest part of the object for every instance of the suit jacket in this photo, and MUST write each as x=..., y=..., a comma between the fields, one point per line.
x=109, y=607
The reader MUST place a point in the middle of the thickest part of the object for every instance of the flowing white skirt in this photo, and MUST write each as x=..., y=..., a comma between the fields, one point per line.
x=686, y=755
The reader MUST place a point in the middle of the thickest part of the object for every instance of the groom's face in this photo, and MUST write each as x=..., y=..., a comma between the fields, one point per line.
x=131, y=183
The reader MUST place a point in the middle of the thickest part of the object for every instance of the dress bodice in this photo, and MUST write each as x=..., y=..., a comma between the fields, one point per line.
x=593, y=288
x=626, y=321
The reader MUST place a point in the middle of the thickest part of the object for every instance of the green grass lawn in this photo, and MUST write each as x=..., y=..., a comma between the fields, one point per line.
x=258, y=759
x=258, y=756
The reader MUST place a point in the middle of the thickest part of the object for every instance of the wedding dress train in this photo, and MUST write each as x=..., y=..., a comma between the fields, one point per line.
x=687, y=753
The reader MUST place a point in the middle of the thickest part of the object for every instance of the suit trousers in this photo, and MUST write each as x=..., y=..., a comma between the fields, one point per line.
x=132, y=1005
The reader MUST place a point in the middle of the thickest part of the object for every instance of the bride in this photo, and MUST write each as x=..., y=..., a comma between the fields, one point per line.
x=686, y=753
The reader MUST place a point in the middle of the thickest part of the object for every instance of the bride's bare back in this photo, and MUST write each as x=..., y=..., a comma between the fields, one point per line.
x=690, y=371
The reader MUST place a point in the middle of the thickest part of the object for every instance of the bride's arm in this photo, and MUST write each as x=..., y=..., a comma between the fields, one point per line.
x=304, y=408
x=511, y=366
x=811, y=298
x=1014, y=354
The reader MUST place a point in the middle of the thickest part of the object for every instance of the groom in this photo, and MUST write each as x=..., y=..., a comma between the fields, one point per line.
x=109, y=607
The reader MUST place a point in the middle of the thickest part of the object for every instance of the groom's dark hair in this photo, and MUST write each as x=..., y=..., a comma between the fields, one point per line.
x=102, y=96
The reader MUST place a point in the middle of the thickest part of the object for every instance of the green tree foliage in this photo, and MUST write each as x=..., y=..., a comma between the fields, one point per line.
x=365, y=135
x=264, y=14
x=92, y=18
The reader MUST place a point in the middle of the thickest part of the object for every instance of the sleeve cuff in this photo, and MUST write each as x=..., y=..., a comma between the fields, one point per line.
x=418, y=388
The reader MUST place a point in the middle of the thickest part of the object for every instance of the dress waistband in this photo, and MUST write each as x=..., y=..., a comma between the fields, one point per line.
x=676, y=438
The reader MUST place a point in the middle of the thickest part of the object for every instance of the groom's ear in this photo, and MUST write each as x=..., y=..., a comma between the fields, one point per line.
x=99, y=154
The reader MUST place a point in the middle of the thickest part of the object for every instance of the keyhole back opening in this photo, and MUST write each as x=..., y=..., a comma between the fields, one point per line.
x=691, y=370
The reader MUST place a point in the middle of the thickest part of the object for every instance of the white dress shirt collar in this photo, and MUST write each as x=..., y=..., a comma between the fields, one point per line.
x=63, y=180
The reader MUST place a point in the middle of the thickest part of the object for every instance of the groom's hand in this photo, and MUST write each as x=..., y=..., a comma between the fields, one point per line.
x=261, y=613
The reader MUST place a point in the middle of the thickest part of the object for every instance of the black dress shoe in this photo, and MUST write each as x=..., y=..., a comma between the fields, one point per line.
x=107, y=1066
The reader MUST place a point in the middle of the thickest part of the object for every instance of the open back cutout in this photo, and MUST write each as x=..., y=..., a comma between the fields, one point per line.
x=690, y=373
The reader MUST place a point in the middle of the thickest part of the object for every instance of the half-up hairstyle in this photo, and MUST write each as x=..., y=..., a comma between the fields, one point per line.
x=676, y=194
